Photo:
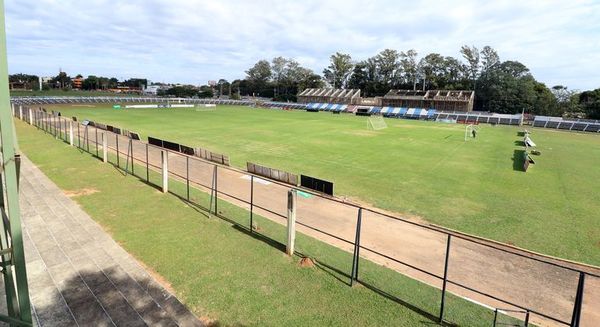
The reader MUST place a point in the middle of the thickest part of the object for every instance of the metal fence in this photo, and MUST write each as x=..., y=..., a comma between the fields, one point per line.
x=532, y=287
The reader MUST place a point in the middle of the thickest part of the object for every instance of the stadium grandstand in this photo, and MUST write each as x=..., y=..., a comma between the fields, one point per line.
x=441, y=100
x=326, y=95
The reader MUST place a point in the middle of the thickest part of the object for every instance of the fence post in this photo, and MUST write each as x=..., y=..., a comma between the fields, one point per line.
x=30, y=117
x=132, y=159
x=78, y=135
x=251, y=203
x=578, y=301
x=117, y=145
x=527, y=318
x=147, y=166
x=216, y=190
x=495, y=317
x=71, y=136
x=86, y=137
x=165, y=170
x=96, y=132
x=291, y=222
x=187, y=176
x=441, y=319
x=104, y=149
x=20, y=112
x=356, y=254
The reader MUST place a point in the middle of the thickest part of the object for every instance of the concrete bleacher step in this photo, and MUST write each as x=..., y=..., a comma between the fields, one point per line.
x=78, y=274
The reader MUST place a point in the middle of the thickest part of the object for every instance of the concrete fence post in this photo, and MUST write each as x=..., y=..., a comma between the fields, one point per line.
x=104, y=149
x=165, y=171
x=30, y=117
x=71, y=136
x=291, y=222
x=20, y=112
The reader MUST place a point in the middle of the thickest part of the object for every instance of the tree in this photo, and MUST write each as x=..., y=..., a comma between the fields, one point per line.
x=62, y=80
x=339, y=69
x=471, y=55
x=490, y=58
x=359, y=78
x=223, y=86
x=91, y=83
x=135, y=82
x=185, y=91
x=306, y=79
x=567, y=101
x=258, y=76
x=433, y=69
x=389, y=69
x=408, y=62
x=509, y=87
x=206, y=92
x=29, y=81
x=590, y=103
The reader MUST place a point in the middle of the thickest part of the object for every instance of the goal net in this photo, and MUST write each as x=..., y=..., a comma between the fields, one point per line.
x=376, y=123
x=471, y=131
x=206, y=107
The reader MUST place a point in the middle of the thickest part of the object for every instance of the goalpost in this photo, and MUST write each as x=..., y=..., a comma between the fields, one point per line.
x=471, y=131
x=376, y=123
x=206, y=107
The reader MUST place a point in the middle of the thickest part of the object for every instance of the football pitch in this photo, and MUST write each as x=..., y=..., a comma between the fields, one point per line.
x=419, y=169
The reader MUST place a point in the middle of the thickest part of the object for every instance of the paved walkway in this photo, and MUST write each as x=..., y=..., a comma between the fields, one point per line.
x=78, y=275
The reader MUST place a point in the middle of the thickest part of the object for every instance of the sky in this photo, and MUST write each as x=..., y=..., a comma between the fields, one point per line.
x=188, y=41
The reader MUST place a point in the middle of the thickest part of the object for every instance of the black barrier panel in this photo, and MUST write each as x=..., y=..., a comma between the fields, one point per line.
x=109, y=128
x=91, y=123
x=74, y=118
x=116, y=130
x=316, y=184
x=187, y=150
x=134, y=136
x=155, y=141
x=171, y=146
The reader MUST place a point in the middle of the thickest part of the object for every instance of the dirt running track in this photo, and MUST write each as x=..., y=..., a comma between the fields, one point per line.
x=499, y=270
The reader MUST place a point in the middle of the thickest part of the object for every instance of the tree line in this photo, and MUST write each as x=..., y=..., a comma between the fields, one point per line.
x=65, y=82
x=500, y=86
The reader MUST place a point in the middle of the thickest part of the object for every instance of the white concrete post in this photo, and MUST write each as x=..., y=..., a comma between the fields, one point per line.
x=12, y=106
x=291, y=222
x=104, y=149
x=21, y=112
x=71, y=136
x=165, y=171
x=30, y=117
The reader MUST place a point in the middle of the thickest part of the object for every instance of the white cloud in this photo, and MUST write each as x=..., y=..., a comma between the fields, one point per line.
x=194, y=41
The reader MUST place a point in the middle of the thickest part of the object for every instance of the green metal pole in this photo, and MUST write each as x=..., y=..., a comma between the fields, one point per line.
x=10, y=177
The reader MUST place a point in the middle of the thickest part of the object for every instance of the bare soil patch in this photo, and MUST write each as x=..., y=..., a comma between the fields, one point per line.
x=81, y=192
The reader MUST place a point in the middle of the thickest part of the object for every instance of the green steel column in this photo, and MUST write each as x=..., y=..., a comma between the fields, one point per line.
x=10, y=177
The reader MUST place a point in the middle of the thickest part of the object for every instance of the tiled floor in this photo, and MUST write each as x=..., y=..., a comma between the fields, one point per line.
x=78, y=276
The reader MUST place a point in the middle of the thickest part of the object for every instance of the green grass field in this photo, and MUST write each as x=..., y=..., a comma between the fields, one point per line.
x=228, y=276
x=416, y=168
